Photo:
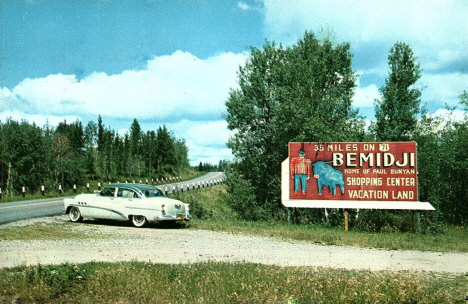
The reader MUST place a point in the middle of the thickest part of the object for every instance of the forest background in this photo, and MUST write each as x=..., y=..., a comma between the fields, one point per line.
x=71, y=154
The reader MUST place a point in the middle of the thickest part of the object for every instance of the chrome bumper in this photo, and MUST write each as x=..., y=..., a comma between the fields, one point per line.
x=176, y=217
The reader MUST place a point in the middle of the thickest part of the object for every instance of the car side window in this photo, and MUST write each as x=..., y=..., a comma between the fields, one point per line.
x=109, y=192
x=154, y=193
x=126, y=193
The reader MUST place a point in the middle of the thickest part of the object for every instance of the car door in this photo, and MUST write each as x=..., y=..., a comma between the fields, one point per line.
x=105, y=207
x=125, y=201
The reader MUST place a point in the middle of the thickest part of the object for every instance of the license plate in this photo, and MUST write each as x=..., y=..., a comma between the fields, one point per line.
x=180, y=216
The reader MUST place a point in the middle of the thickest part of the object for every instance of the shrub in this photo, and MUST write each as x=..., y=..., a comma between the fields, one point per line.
x=242, y=199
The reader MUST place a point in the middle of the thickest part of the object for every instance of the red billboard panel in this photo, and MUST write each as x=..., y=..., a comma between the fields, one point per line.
x=382, y=171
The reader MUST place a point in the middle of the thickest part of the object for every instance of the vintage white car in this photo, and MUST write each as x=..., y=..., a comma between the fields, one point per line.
x=138, y=203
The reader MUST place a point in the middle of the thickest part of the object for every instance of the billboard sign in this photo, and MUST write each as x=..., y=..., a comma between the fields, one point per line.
x=367, y=175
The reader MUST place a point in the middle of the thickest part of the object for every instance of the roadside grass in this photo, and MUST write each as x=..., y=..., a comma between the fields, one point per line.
x=212, y=213
x=214, y=282
x=46, y=232
x=220, y=282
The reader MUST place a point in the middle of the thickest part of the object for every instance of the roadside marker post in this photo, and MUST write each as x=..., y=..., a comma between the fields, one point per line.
x=346, y=220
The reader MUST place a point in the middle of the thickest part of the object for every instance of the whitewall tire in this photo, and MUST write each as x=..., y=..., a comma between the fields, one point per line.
x=75, y=214
x=139, y=221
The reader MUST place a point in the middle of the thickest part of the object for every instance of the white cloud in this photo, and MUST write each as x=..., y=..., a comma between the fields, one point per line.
x=364, y=97
x=5, y=93
x=39, y=119
x=183, y=92
x=209, y=134
x=428, y=21
x=243, y=6
x=434, y=29
x=172, y=87
x=206, y=140
x=443, y=89
x=443, y=58
x=455, y=115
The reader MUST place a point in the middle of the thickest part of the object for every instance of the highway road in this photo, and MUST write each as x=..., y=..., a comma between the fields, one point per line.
x=15, y=211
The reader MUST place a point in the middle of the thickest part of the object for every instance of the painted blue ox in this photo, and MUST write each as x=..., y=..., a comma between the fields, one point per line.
x=326, y=175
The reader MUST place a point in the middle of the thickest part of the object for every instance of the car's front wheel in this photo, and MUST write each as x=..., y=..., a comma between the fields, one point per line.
x=75, y=214
x=139, y=221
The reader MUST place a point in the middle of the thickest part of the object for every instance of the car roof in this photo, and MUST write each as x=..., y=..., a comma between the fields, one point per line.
x=137, y=187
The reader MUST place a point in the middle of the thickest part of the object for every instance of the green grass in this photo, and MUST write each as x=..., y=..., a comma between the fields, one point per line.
x=453, y=240
x=46, y=232
x=135, y=282
x=217, y=216
x=213, y=282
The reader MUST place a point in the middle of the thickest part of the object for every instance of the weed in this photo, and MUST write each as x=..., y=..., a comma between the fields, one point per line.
x=134, y=282
x=212, y=282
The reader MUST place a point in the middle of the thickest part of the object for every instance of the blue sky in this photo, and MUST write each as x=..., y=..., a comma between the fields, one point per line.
x=173, y=62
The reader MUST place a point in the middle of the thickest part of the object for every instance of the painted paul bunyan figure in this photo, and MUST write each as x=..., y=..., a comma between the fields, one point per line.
x=300, y=170
x=327, y=176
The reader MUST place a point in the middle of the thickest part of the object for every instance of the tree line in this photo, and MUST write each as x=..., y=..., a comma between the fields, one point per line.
x=34, y=156
x=223, y=166
x=303, y=93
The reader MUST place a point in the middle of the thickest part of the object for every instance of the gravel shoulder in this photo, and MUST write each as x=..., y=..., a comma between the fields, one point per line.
x=174, y=246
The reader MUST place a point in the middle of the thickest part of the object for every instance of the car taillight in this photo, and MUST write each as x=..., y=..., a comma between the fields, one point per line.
x=163, y=210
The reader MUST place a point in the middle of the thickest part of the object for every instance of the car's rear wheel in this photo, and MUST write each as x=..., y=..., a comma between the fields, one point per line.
x=139, y=221
x=75, y=214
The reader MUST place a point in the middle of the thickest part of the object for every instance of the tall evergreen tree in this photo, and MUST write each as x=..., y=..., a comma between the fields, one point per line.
x=396, y=113
x=90, y=142
x=165, y=151
x=149, y=148
x=100, y=134
x=136, y=145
